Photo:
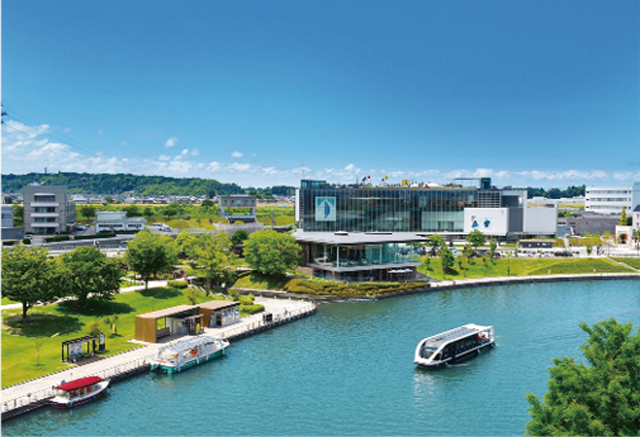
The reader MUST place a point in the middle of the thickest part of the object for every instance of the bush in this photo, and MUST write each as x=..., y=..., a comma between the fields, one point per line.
x=8, y=243
x=177, y=284
x=247, y=300
x=251, y=309
x=57, y=238
x=26, y=241
x=303, y=286
x=95, y=236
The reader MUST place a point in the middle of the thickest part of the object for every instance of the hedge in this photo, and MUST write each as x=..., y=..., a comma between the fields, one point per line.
x=177, y=284
x=252, y=309
x=94, y=236
x=247, y=300
x=57, y=238
x=303, y=286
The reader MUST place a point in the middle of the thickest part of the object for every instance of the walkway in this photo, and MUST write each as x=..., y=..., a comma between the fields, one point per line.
x=37, y=389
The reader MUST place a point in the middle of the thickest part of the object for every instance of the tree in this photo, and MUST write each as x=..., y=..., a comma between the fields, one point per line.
x=207, y=203
x=272, y=253
x=239, y=236
x=18, y=214
x=149, y=254
x=436, y=241
x=493, y=245
x=88, y=212
x=147, y=212
x=214, y=257
x=476, y=239
x=91, y=273
x=29, y=277
x=623, y=216
x=108, y=199
x=446, y=259
x=171, y=210
x=598, y=399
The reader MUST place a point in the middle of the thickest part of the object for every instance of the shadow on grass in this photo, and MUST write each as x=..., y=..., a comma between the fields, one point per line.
x=160, y=293
x=94, y=308
x=42, y=325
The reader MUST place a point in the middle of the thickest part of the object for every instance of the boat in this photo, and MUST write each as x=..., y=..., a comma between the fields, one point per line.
x=180, y=355
x=455, y=345
x=79, y=391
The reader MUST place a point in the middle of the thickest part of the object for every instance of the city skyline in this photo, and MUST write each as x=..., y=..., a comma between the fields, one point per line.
x=528, y=93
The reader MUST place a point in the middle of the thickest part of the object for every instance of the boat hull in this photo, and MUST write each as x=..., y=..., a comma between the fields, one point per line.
x=170, y=369
x=457, y=359
x=58, y=402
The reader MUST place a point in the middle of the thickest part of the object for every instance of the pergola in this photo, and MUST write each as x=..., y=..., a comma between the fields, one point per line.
x=74, y=348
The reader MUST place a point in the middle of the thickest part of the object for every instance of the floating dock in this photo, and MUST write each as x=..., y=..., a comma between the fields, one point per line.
x=32, y=395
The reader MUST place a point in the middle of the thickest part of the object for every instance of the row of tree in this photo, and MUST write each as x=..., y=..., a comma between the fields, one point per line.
x=555, y=193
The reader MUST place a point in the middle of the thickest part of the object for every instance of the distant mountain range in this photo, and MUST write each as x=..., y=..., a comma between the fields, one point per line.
x=86, y=183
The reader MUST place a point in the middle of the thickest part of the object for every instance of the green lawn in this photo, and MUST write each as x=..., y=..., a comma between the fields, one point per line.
x=19, y=359
x=259, y=281
x=526, y=267
x=7, y=301
x=633, y=262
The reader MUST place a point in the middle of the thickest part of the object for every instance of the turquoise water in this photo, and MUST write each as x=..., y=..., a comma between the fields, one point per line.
x=348, y=371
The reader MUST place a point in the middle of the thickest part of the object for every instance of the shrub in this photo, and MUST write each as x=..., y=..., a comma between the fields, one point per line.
x=26, y=241
x=95, y=236
x=8, y=243
x=247, y=300
x=177, y=284
x=251, y=309
x=57, y=238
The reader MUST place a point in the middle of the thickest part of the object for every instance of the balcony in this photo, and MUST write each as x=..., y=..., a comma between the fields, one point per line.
x=44, y=225
x=44, y=214
x=44, y=204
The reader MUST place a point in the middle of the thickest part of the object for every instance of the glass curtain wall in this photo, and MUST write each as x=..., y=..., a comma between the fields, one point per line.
x=364, y=255
x=386, y=210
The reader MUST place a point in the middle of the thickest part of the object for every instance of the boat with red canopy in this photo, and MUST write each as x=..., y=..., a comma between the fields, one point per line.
x=79, y=391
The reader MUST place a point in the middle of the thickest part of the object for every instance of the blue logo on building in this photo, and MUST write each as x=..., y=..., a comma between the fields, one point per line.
x=325, y=209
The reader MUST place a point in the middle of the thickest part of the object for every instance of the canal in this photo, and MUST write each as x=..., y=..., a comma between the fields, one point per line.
x=348, y=370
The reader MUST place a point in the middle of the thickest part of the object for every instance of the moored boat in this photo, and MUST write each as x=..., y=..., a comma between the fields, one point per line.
x=181, y=355
x=454, y=345
x=79, y=391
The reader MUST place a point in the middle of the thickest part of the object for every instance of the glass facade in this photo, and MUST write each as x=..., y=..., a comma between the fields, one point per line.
x=325, y=255
x=326, y=209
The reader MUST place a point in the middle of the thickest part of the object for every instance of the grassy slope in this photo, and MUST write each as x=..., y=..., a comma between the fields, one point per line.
x=528, y=267
x=18, y=340
x=633, y=262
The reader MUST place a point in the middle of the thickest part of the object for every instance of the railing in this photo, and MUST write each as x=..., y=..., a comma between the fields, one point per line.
x=277, y=318
x=39, y=395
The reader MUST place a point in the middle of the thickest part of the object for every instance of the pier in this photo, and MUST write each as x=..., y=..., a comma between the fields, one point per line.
x=31, y=395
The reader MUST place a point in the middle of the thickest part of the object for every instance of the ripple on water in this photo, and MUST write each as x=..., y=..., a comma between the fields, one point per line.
x=349, y=370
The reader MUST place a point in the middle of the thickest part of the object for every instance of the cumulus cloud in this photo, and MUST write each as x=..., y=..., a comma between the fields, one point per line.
x=236, y=154
x=213, y=166
x=239, y=167
x=195, y=152
x=164, y=158
x=171, y=142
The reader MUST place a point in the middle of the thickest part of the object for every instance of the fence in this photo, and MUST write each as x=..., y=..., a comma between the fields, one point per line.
x=260, y=324
x=37, y=397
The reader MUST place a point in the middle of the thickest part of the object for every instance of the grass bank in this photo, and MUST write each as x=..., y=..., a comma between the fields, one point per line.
x=52, y=324
x=477, y=268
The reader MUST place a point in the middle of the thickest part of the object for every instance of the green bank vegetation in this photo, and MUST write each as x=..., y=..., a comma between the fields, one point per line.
x=63, y=321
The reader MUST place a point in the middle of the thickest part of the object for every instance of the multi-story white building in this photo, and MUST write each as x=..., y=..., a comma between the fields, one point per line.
x=113, y=221
x=607, y=200
x=48, y=209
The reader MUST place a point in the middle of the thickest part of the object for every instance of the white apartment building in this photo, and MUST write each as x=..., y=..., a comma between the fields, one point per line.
x=607, y=200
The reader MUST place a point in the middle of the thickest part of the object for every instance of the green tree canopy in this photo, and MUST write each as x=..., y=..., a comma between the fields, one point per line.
x=90, y=272
x=447, y=259
x=29, y=277
x=623, y=216
x=214, y=257
x=149, y=254
x=437, y=241
x=207, y=203
x=272, y=253
x=602, y=398
x=87, y=211
x=476, y=239
x=239, y=236
x=18, y=214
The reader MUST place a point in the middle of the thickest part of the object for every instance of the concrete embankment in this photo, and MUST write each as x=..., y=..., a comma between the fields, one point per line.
x=449, y=285
x=31, y=395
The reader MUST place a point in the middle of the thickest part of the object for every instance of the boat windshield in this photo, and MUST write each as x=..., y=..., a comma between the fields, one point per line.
x=427, y=351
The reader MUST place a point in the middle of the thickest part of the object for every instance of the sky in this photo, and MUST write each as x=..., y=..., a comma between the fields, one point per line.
x=261, y=93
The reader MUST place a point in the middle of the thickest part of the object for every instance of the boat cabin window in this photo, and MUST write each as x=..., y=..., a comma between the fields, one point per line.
x=427, y=351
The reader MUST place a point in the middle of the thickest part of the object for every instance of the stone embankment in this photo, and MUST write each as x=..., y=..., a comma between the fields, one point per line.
x=30, y=395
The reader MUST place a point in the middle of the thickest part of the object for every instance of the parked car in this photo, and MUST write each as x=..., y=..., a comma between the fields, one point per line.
x=80, y=227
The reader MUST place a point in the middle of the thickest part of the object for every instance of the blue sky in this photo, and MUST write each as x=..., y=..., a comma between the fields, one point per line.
x=540, y=93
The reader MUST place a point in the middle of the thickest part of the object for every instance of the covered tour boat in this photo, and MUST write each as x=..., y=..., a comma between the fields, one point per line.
x=181, y=355
x=454, y=345
x=79, y=391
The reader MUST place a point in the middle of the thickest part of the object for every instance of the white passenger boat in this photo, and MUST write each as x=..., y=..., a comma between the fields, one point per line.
x=180, y=355
x=79, y=391
x=454, y=345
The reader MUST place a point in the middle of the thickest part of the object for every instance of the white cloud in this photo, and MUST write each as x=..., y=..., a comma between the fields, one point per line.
x=239, y=167
x=195, y=152
x=213, y=166
x=236, y=154
x=164, y=158
x=185, y=152
x=171, y=142
x=349, y=167
x=100, y=132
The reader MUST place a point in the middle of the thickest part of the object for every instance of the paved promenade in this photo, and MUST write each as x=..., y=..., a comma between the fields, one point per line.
x=31, y=391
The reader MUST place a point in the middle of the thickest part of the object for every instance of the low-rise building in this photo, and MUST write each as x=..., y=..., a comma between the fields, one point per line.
x=583, y=223
x=114, y=221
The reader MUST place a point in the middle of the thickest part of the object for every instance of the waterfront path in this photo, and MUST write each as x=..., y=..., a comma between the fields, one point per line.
x=19, y=395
